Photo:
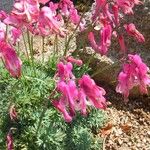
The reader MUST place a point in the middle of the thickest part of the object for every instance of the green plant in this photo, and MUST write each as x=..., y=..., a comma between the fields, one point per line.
x=38, y=129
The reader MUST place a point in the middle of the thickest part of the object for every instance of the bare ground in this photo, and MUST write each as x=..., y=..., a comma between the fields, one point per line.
x=129, y=124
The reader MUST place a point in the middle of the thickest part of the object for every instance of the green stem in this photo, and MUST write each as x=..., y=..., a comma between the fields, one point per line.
x=44, y=110
x=43, y=49
x=30, y=42
x=66, y=37
x=25, y=45
x=56, y=40
x=71, y=36
x=18, y=48
x=54, y=46
x=55, y=49
x=6, y=32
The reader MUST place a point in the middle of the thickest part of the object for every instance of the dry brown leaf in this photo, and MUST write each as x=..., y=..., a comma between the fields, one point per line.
x=126, y=127
x=107, y=129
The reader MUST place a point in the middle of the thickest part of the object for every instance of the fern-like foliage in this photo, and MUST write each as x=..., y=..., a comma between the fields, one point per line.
x=39, y=126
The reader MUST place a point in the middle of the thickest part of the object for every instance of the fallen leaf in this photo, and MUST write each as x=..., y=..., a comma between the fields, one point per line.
x=106, y=130
x=126, y=127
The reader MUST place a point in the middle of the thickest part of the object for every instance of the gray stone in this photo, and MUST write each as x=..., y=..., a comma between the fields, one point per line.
x=105, y=69
x=6, y=5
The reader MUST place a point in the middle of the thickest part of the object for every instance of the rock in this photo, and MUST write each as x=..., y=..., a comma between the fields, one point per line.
x=6, y=5
x=105, y=68
x=109, y=66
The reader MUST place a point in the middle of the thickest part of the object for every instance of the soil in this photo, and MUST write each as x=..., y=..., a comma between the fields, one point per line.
x=129, y=124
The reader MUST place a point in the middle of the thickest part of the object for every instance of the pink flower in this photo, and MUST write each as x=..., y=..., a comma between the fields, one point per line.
x=75, y=96
x=134, y=74
x=131, y=30
x=67, y=100
x=2, y=31
x=105, y=41
x=75, y=61
x=106, y=34
x=115, y=10
x=12, y=62
x=124, y=85
x=69, y=92
x=107, y=14
x=48, y=22
x=99, y=6
x=3, y=15
x=82, y=102
x=141, y=70
x=126, y=6
x=136, y=2
x=65, y=6
x=13, y=21
x=53, y=6
x=93, y=92
x=93, y=42
x=122, y=43
x=10, y=141
x=68, y=10
x=74, y=17
x=75, y=99
x=61, y=107
x=64, y=71
x=43, y=1
x=12, y=113
x=15, y=35
x=24, y=12
x=28, y=10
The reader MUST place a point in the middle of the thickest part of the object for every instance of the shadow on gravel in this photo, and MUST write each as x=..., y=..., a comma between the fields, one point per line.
x=141, y=102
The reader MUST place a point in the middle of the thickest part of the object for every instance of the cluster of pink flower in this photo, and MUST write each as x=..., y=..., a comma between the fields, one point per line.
x=42, y=21
x=76, y=93
x=7, y=52
x=134, y=73
x=109, y=16
x=11, y=60
x=27, y=15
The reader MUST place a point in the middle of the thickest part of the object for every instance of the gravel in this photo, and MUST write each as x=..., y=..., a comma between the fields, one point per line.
x=130, y=123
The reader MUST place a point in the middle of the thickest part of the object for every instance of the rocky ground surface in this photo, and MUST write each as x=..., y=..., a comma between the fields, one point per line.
x=129, y=124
